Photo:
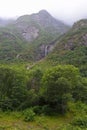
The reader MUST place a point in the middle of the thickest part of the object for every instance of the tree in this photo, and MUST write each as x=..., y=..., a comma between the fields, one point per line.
x=58, y=84
x=12, y=88
x=34, y=80
x=80, y=91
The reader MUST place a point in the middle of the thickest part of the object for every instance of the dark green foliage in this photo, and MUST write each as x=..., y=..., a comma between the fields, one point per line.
x=80, y=114
x=80, y=91
x=35, y=77
x=48, y=92
x=80, y=121
x=37, y=109
x=77, y=109
x=79, y=117
x=12, y=88
x=18, y=89
x=58, y=84
x=31, y=100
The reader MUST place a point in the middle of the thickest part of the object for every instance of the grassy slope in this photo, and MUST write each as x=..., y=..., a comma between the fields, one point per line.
x=14, y=121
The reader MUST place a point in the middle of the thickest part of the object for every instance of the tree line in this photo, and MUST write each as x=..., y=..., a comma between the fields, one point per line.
x=47, y=92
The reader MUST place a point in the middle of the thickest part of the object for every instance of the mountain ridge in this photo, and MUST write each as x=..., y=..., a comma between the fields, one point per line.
x=72, y=48
x=42, y=20
x=31, y=34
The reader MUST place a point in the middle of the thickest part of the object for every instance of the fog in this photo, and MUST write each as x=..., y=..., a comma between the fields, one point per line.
x=68, y=11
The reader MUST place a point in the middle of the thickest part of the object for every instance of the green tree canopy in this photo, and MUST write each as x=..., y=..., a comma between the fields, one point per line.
x=58, y=84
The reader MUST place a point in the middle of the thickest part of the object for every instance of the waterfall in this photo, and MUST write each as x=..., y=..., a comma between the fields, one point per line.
x=46, y=50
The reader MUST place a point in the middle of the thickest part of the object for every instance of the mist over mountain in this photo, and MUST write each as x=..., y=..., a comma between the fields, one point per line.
x=43, y=71
x=32, y=25
x=43, y=65
x=4, y=22
x=27, y=37
x=32, y=37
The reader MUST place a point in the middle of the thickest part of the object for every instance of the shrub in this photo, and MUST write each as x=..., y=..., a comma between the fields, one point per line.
x=80, y=121
x=29, y=115
x=37, y=109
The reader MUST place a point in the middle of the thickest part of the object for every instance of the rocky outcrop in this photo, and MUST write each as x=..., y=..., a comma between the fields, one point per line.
x=31, y=26
x=30, y=33
x=29, y=37
x=46, y=49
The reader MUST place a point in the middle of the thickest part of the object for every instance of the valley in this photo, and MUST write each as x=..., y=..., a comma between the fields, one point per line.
x=43, y=74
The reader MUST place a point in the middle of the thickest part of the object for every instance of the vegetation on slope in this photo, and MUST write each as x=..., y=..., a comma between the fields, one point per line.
x=25, y=95
x=25, y=39
x=24, y=88
x=72, y=48
x=46, y=90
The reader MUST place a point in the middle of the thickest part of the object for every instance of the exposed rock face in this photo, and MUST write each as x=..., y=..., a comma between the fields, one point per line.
x=31, y=26
x=29, y=37
x=30, y=33
x=46, y=49
x=85, y=39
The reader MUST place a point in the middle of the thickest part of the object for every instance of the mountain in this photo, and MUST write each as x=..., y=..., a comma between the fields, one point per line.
x=31, y=26
x=26, y=38
x=72, y=48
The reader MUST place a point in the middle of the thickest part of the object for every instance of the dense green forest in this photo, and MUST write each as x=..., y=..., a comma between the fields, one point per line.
x=56, y=91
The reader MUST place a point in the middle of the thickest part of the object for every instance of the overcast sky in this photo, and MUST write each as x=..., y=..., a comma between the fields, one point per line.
x=68, y=11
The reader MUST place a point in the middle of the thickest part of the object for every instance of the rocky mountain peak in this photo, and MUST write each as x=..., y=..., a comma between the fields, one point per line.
x=31, y=26
x=44, y=12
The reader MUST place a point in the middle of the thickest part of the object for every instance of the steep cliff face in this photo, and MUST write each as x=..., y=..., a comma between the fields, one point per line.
x=30, y=33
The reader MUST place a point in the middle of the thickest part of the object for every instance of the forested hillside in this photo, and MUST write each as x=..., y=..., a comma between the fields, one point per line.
x=43, y=74
x=31, y=94
x=72, y=48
